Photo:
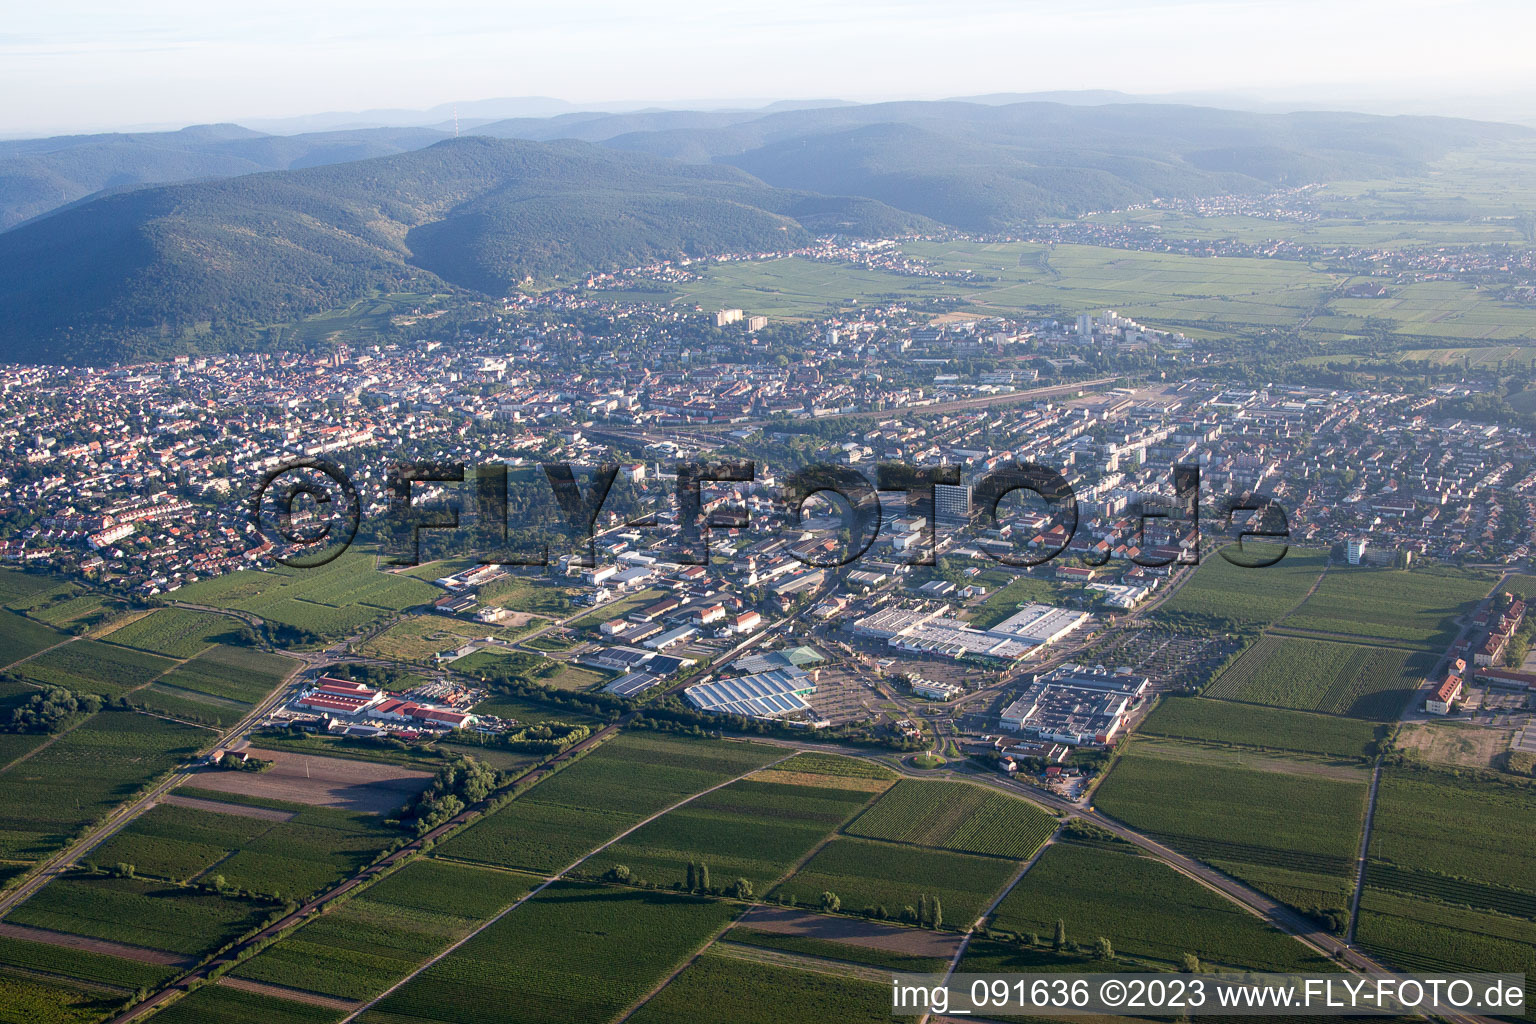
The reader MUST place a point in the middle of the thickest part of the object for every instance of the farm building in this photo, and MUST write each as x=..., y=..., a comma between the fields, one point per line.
x=1445, y=696
x=338, y=697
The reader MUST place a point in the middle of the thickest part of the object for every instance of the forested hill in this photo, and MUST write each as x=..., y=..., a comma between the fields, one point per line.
x=173, y=268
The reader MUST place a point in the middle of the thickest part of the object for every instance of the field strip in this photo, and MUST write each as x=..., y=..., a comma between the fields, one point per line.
x=799, y=961
x=89, y=945
x=1365, y=846
x=239, y=810
x=293, y=995
x=849, y=931
x=551, y=880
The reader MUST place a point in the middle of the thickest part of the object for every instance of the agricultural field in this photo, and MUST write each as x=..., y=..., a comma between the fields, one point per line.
x=219, y=1004
x=863, y=874
x=81, y=965
x=1236, y=599
x=333, y=600
x=828, y=949
x=1307, y=674
x=371, y=941
x=1418, y=607
x=816, y=763
x=27, y=999
x=89, y=666
x=527, y=712
x=345, y=784
x=85, y=773
x=236, y=673
x=574, y=953
x=1217, y=721
x=21, y=637
x=750, y=829
x=1294, y=835
x=312, y=848
x=601, y=795
x=419, y=637
x=175, y=632
x=136, y=912
x=21, y=590
x=1427, y=936
x=1438, y=835
x=956, y=816
x=725, y=989
x=1145, y=909
x=79, y=611
x=189, y=706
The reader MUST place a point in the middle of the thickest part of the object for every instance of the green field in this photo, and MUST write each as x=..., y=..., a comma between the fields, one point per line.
x=814, y=763
x=828, y=949
x=956, y=816
x=749, y=829
x=574, y=953
x=1450, y=837
x=722, y=989
x=175, y=632
x=371, y=941
x=216, y=1004
x=1294, y=835
x=1145, y=909
x=89, y=666
x=140, y=913
x=1230, y=597
x=317, y=847
x=1324, y=675
x=80, y=965
x=333, y=600
x=609, y=790
x=21, y=637
x=234, y=673
x=84, y=774
x=1216, y=721
x=863, y=874
x=1418, y=607
x=29, y=999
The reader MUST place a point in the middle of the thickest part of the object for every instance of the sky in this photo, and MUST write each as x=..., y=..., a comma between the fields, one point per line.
x=77, y=66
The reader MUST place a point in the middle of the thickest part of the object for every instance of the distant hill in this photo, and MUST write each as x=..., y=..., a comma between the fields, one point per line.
x=118, y=270
x=171, y=269
x=39, y=175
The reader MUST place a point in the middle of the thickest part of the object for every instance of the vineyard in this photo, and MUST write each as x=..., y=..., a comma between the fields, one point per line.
x=956, y=816
x=1242, y=819
x=216, y=1004
x=1237, y=599
x=863, y=874
x=80, y=965
x=574, y=953
x=813, y=763
x=1215, y=721
x=1389, y=604
x=621, y=783
x=21, y=637
x=721, y=989
x=1306, y=674
x=749, y=829
x=1145, y=909
x=88, y=666
x=174, y=632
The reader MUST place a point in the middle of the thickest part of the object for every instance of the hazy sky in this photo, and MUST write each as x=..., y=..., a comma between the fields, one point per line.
x=70, y=65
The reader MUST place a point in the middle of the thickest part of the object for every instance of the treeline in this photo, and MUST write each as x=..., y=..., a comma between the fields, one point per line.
x=49, y=711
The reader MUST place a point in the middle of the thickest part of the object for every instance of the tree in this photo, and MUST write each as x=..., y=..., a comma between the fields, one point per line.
x=937, y=911
x=909, y=914
x=703, y=876
x=1191, y=964
x=922, y=911
x=123, y=870
x=218, y=882
x=619, y=873
x=1102, y=950
x=742, y=889
x=1060, y=940
x=693, y=877
x=830, y=903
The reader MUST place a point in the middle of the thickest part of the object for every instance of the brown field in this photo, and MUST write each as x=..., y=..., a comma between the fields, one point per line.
x=321, y=782
x=242, y=810
x=88, y=945
x=1467, y=746
x=854, y=932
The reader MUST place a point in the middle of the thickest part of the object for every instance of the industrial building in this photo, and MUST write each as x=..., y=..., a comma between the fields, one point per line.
x=775, y=694
x=1076, y=705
